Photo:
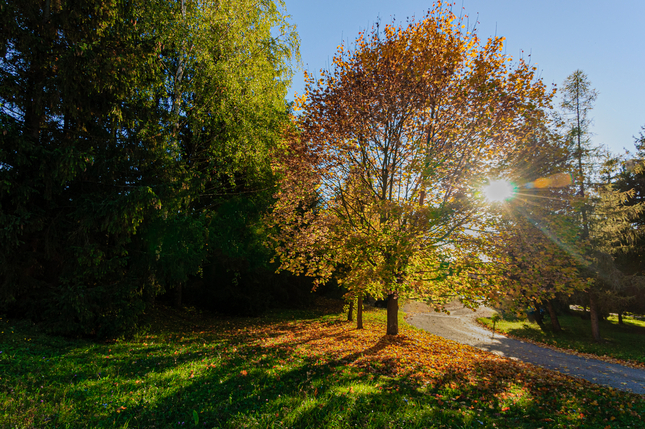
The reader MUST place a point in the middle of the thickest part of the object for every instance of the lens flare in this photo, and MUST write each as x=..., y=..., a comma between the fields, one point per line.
x=558, y=180
x=499, y=190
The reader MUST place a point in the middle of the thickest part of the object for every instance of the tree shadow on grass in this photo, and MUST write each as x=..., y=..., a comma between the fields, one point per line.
x=245, y=388
x=228, y=390
x=311, y=394
x=307, y=397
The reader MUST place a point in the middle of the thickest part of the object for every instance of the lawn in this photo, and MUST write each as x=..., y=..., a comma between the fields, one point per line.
x=625, y=342
x=300, y=369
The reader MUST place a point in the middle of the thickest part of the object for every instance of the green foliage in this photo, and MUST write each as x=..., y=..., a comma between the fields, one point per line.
x=238, y=277
x=177, y=246
x=124, y=124
x=630, y=255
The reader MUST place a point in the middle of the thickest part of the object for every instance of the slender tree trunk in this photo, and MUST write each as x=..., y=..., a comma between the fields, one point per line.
x=359, y=313
x=34, y=107
x=538, y=315
x=538, y=318
x=350, y=312
x=555, y=323
x=579, y=155
x=178, y=78
x=178, y=293
x=620, y=318
x=595, y=319
x=392, y=314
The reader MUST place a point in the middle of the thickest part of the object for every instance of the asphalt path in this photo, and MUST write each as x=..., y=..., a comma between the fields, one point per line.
x=461, y=326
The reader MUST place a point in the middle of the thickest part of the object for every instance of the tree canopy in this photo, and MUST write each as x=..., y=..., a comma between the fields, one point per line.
x=391, y=147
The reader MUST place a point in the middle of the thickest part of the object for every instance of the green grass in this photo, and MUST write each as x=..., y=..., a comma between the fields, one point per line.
x=625, y=342
x=194, y=370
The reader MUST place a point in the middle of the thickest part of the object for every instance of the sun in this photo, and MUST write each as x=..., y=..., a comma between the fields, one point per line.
x=499, y=190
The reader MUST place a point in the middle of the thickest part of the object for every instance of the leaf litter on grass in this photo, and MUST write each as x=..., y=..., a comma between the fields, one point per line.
x=452, y=372
x=297, y=371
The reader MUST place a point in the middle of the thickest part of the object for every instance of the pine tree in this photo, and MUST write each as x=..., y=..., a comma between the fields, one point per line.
x=578, y=99
x=631, y=179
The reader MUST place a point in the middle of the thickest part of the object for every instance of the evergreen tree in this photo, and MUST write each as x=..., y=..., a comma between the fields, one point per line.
x=123, y=125
x=631, y=180
x=578, y=99
x=620, y=231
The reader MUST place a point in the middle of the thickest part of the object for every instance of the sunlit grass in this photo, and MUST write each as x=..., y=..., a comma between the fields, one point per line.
x=303, y=369
x=627, y=321
x=626, y=342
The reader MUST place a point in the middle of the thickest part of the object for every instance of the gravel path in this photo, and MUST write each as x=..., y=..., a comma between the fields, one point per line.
x=461, y=326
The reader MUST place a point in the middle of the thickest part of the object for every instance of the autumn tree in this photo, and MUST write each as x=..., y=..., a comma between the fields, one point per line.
x=392, y=141
x=532, y=252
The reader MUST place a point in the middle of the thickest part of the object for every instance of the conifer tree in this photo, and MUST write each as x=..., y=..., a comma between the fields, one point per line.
x=124, y=123
x=578, y=99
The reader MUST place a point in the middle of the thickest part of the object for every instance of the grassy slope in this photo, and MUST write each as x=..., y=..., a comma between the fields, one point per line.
x=625, y=342
x=306, y=369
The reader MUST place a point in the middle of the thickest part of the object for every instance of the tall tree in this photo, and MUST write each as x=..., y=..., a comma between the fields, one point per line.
x=393, y=140
x=578, y=99
x=616, y=236
x=631, y=178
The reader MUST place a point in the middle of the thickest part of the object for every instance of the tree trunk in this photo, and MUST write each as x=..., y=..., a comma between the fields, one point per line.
x=350, y=312
x=555, y=323
x=36, y=83
x=620, y=318
x=538, y=316
x=178, y=295
x=178, y=78
x=595, y=318
x=392, y=314
x=359, y=313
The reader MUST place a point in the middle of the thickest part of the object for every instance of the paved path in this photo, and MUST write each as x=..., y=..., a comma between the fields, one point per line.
x=461, y=326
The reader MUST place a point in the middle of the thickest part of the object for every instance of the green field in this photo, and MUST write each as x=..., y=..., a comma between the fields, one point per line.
x=297, y=369
x=625, y=342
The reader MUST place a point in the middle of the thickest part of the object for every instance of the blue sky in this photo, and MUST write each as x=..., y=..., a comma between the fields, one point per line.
x=604, y=39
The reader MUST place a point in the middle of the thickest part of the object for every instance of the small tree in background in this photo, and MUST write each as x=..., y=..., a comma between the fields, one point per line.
x=533, y=251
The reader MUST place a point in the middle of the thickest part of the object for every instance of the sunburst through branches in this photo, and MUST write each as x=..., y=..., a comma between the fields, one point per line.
x=498, y=191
